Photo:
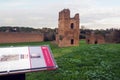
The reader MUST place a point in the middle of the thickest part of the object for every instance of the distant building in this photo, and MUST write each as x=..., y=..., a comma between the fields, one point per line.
x=92, y=38
x=68, y=29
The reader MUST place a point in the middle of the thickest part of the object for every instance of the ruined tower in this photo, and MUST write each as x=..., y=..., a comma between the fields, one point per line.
x=68, y=29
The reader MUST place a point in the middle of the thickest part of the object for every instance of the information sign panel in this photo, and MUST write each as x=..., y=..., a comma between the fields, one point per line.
x=26, y=59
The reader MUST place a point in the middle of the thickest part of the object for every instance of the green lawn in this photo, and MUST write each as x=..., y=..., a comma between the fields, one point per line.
x=84, y=62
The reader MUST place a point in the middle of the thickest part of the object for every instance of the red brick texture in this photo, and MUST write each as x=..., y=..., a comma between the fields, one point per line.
x=95, y=39
x=15, y=37
x=68, y=29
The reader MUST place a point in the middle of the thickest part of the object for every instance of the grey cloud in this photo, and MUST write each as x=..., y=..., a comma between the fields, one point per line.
x=35, y=14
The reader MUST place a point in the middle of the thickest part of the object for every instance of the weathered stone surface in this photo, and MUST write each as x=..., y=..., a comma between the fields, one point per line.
x=68, y=29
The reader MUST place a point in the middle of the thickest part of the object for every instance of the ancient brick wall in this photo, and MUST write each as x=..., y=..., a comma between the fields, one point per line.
x=94, y=39
x=14, y=37
x=68, y=29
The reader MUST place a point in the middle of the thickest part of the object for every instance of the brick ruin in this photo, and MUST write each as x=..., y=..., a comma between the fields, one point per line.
x=112, y=36
x=15, y=37
x=92, y=38
x=68, y=29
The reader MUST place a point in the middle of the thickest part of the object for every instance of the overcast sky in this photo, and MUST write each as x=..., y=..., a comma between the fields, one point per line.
x=94, y=14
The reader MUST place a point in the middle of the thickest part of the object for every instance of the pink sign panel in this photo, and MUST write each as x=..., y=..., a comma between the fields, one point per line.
x=26, y=59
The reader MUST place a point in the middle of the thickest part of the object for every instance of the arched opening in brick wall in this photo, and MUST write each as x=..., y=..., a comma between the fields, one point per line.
x=72, y=25
x=96, y=42
x=88, y=41
x=72, y=41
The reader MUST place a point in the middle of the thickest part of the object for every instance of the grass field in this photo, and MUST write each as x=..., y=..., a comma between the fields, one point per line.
x=84, y=62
